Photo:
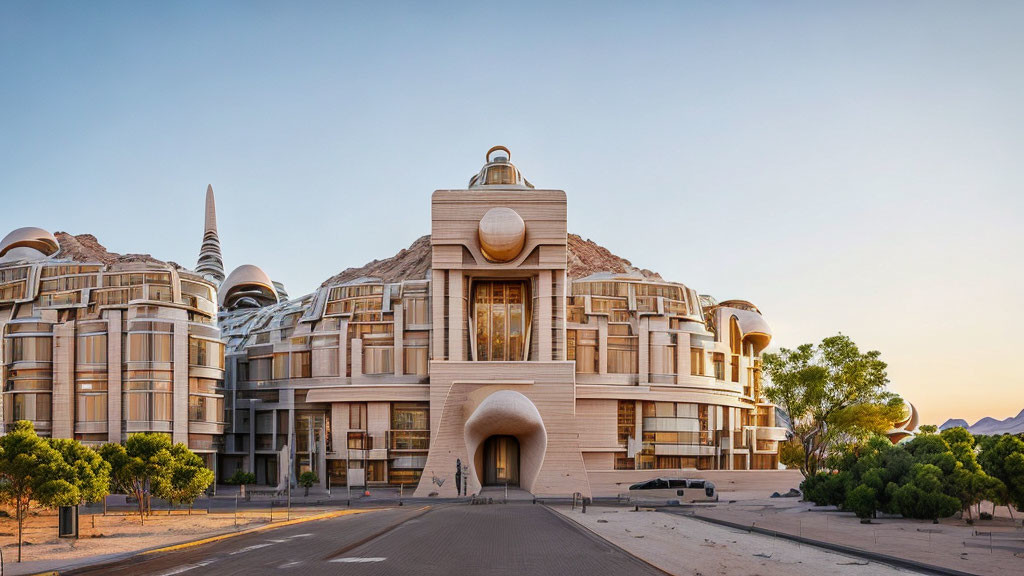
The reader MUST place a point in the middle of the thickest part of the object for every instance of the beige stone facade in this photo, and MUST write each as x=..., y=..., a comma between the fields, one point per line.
x=499, y=349
x=96, y=347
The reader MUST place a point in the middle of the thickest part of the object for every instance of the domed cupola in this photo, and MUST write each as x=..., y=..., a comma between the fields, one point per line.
x=28, y=244
x=247, y=287
x=498, y=172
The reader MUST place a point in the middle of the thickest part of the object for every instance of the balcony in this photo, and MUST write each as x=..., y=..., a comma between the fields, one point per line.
x=772, y=434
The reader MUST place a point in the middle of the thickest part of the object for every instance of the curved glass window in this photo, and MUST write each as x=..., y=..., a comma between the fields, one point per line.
x=30, y=349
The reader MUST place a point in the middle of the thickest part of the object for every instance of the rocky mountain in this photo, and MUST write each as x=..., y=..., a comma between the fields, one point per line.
x=989, y=426
x=585, y=257
x=410, y=263
x=86, y=248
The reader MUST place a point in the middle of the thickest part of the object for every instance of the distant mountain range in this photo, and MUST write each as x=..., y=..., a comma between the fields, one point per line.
x=988, y=426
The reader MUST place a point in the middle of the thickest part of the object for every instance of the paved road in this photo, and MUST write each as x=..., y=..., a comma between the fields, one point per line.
x=511, y=539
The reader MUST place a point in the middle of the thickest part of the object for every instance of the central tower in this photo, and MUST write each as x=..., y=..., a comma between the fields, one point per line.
x=499, y=377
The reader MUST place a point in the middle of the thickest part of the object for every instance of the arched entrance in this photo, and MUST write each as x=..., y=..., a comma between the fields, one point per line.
x=510, y=415
x=501, y=461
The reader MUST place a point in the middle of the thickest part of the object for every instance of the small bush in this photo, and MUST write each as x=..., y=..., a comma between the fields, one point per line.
x=242, y=477
x=861, y=501
x=307, y=479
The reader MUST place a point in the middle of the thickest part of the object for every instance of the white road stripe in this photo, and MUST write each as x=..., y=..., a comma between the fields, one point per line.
x=250, y=548
x=354, y=560
x=290, y=564
x=187, y=567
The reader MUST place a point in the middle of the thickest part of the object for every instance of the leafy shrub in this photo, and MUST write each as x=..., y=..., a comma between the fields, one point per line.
x=241, y=477
x=307, y=479
x=861, y=501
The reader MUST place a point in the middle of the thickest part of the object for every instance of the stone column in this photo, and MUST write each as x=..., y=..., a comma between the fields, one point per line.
x=456, y=319
x=343, y=349
x=399, y=358
x=682, y=357
x=544, y=321
x=113, y=375
x=643, y=353
x=602, y=344
x=180, y=385
x=437, y=351
x=357, y=360
x=63, y=399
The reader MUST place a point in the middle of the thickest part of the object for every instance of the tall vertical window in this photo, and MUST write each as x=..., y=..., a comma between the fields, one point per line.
x=697, y=361
x=357, y=416
x=736, y=347
x=91, y=349
x=626, y=421
x=208, y=353
x=500, y=318
x=718, y=360
x=150, y=347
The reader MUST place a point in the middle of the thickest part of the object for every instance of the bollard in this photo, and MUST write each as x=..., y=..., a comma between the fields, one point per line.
x=401, y=491
x=236, y=511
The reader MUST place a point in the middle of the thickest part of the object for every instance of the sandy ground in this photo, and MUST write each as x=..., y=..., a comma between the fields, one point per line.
x=117, y=533
x=685, y=546
x=990, y=547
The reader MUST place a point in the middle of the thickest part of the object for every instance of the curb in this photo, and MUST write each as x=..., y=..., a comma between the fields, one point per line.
x=217, y=538
x=848, y=550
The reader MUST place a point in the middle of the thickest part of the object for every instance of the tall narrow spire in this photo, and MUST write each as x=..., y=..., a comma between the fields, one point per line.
x=211, y=265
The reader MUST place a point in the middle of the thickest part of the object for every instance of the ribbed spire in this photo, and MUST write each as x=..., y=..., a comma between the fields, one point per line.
x=211, y=265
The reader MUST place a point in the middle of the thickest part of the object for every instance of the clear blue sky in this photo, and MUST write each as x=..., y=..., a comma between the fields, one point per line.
x=847, y=168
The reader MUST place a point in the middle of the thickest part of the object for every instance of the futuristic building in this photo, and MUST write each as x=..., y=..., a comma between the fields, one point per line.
x=499, y=346
x=97, y=346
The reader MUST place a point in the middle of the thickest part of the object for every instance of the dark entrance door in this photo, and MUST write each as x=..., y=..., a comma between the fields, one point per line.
x=501, y=461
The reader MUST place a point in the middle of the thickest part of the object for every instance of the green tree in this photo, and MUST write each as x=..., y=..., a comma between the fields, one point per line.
x=968, y=482
x=307, y=479
x=85, y=470
x=137, y=465
x=1004, y=459
x=185, y=479
x=32, y=471
x=861, y=501
x=927, y=429
x=833, y=393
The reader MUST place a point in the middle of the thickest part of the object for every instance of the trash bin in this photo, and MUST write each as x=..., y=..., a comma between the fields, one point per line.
x=67, y=522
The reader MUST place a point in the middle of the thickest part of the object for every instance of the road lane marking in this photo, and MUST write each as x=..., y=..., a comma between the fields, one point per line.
x=251, y=548
x=358, y=560
x=187, y=567
x=290, y=564
x=271, y=526
x=300, y=535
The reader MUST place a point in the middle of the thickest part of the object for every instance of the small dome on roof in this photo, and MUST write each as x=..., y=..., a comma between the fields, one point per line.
x=499, y=172
x=30, y=237
x=247, y=286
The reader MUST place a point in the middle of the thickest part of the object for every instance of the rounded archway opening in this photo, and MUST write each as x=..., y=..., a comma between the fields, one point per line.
x=506, y=439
